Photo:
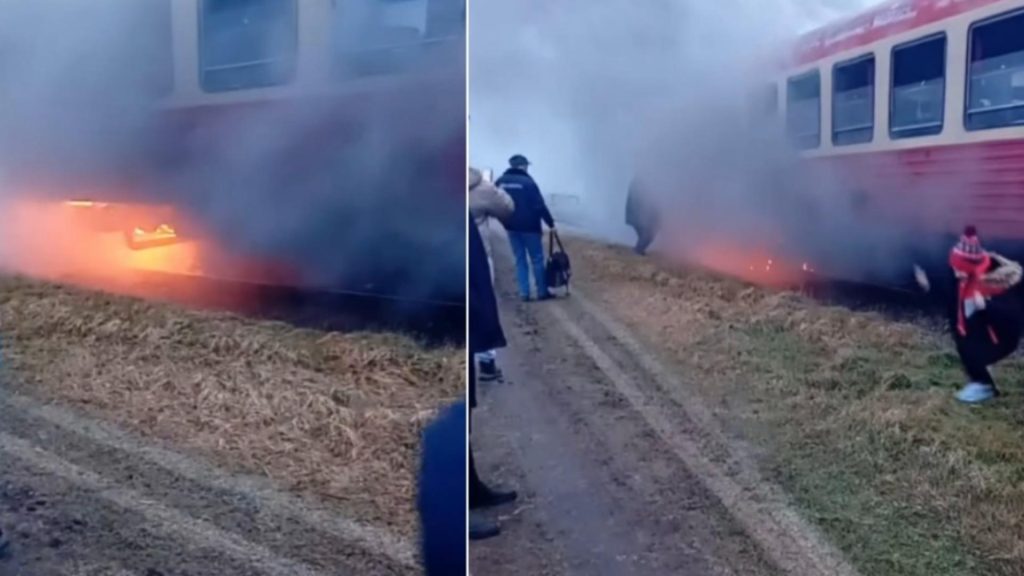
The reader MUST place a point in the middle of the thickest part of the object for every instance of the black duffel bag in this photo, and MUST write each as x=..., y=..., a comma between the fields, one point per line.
x=557, y=270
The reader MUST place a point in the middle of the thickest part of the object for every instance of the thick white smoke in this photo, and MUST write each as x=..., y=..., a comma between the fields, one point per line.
x=354, y=185
x=595, y=92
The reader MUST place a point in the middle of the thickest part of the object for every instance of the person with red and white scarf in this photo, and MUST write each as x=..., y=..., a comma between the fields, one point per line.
x=986, y=322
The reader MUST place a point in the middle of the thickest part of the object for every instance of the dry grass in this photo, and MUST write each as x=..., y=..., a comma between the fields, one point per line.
x=334, y=415
x=854, y=412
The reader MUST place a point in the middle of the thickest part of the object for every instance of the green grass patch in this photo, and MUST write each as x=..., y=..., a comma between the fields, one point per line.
x=853, y=414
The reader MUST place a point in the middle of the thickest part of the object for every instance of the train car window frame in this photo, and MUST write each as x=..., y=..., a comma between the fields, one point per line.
x=995, y=116
x=862, y=133
x=809, y=141
x=284, y=77
x=923, y=129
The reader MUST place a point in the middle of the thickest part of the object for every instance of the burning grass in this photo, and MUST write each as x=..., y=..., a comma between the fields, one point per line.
x=337, y=416
x=854, y=413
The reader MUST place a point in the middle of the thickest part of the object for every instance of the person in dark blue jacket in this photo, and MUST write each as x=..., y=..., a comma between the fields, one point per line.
x=442, y=494
x=524, y=226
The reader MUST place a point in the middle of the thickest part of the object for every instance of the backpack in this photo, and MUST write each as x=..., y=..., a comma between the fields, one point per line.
x=557, y=270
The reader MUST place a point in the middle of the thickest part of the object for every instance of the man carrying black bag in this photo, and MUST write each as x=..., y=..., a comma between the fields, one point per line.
x=524, y=226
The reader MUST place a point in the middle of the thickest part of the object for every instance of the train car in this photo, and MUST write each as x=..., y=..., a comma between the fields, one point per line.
x=249, y=115
x=915, y=112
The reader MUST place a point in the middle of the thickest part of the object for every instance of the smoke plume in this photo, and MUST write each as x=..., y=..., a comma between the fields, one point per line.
x=597, y=92
x=353, y=178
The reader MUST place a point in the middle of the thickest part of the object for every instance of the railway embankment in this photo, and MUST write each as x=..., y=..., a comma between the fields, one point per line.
x=851, y=412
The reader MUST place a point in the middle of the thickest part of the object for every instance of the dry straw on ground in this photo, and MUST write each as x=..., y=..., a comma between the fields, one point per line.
x=853, y=412
x=334, y=415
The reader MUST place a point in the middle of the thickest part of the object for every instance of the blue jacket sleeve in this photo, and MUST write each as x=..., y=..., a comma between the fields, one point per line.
x=542, y=206
x=442, y=493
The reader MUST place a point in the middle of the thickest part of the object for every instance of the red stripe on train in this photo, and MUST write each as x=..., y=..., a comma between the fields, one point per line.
x=939, y=188
x=889, y=19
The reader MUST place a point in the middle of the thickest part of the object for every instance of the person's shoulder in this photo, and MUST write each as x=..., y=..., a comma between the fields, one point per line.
x=505, y=179
x=513, y=179
x=522, y=177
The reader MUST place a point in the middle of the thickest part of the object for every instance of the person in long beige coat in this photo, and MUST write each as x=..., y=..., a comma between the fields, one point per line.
x=487, y=202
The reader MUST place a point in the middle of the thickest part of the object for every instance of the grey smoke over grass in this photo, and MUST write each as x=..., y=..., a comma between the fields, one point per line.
x=358, y=183
x=595, y=92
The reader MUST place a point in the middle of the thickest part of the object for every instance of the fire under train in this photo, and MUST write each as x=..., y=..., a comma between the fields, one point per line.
x=915, y=111
x=289, y=101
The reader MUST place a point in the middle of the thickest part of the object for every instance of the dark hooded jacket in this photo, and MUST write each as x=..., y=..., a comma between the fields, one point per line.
x=485, y=331
x=531, y=209
x=640, y=210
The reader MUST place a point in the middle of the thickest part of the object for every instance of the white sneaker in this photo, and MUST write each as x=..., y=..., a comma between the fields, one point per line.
x=976, y=393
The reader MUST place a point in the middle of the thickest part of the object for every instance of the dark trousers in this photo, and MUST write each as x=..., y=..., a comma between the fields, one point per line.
x=644, y=238
x=476, y=486
x=978, y=351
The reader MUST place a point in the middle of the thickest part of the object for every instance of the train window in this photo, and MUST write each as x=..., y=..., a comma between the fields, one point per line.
x=918, y=88
x=995, y=88
x=803, y=110
x=247, y=43
x=853, y=101
x=379, y=36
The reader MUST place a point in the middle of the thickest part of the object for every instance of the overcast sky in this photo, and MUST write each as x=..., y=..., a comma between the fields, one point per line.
x=577, y=85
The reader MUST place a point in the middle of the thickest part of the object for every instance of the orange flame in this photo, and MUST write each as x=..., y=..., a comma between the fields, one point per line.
x=111, y=246
x=86, y=204
x=162, y=235
x=42, y=239
x=751, y=265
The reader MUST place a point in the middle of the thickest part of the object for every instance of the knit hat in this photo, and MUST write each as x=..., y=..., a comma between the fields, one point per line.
x=968, y=256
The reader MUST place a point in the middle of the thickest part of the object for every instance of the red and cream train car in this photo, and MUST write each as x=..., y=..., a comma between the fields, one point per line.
x=916, y=110
x=283, y=100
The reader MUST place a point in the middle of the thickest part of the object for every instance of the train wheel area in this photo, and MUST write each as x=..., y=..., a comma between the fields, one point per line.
x=850, y=412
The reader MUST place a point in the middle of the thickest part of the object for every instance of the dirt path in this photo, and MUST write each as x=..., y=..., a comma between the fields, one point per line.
x=616, y=475
x=79, y=497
